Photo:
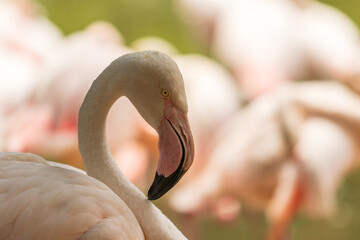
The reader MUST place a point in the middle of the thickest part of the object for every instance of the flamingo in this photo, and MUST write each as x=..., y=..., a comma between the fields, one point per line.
x=254, y=38
x=104, y=204
x=26, y=38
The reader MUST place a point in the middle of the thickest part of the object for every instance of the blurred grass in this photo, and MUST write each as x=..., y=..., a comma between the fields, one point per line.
x=137, y=18
x=134, y=19
x=346, y=223
x=250, y=225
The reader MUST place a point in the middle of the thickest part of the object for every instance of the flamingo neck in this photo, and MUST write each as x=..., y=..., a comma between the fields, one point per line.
x=99, y=163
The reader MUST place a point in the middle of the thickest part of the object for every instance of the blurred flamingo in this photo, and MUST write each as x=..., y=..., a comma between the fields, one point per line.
x=26, y=41
x=257, y=41
x=267, y=43
x=287, y=151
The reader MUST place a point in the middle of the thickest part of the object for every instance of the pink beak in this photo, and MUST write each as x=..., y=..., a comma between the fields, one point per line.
x=176, y=148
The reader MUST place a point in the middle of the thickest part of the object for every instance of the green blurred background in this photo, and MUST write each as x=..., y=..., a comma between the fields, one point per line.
x=138, y=18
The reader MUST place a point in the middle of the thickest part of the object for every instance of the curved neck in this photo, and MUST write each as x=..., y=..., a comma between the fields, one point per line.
x=99, y=163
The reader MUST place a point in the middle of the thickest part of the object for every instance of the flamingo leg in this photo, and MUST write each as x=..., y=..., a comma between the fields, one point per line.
x=287, y=200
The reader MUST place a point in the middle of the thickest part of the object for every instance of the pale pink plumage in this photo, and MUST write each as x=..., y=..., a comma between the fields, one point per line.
x=44, y=191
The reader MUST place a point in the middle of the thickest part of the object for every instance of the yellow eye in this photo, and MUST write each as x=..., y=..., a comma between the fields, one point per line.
x=165, y=93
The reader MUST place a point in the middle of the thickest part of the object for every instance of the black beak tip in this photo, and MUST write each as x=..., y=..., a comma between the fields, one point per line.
x=162, y=184
x=155, y=191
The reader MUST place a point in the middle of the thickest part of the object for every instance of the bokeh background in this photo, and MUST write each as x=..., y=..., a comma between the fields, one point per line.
x=141, y=18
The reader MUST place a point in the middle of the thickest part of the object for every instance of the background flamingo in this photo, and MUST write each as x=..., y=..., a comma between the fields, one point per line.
x=287, y=164
x=26, y=38
x=297, y=44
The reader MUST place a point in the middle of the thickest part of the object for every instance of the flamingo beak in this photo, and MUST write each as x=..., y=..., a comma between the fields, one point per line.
x=176, y=148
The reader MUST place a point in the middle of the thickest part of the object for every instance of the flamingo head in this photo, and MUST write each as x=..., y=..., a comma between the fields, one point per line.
x=156, y=88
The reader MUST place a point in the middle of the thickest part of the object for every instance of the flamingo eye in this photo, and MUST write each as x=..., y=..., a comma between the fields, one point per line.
x=165, y=93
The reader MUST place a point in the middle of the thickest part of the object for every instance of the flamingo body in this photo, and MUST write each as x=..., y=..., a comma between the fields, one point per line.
x=86, y=208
